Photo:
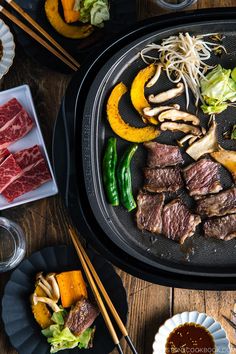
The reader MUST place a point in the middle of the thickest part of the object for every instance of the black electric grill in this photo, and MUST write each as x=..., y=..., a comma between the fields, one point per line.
x=82, y=126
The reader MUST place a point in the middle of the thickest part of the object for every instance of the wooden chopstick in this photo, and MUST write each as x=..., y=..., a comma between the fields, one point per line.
x=36, y=37
x=106, y=297
x=96, y=293
x=17, y=8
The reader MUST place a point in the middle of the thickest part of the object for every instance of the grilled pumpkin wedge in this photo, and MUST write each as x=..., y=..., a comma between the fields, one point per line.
x=119, y=126
x=137, y=92
x=57, y=22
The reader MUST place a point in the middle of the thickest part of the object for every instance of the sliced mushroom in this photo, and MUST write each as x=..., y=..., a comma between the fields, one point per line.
x=167, y=95
x=51, y=278
x=35, y=299
x=175, y=115
x=44, y=284
x=185, y=128
x=156, y=76
x=151, y=112
x=186, y=138
x=227, y=158
x=191, y=141
x=207, y=144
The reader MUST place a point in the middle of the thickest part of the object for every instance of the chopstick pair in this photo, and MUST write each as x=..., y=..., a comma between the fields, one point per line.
x=95, y=283
x=66, y=57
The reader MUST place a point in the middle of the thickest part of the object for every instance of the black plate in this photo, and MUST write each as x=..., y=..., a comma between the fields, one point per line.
x=122, y=14
x=72, y=183
x=20, y=326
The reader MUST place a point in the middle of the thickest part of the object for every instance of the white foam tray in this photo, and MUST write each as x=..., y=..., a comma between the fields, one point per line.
x=34, y=137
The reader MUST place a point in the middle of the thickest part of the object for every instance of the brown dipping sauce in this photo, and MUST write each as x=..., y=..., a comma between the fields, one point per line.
x=190, y=338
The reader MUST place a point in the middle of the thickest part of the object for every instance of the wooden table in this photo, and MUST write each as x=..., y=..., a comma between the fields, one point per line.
x=42, y=221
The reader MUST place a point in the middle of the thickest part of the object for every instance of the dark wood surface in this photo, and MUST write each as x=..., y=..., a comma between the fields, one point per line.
x=43, y=221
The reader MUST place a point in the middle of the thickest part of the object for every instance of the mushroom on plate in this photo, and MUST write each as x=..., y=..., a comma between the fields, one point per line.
x=176, y=115
x=188, y=137
x=167, y=95
x=185, y=128
x=152, y=112
x=155, y=78
x=51, y=303
x=207, y=144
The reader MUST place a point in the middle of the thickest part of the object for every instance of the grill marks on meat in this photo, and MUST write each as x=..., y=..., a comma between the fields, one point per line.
x=202, y=177
x=178, y=223
x=222, y=228
x=217, y=205
x=161, y=155
x=15, y=129
x=81, y=316
x=167, y=179
x=149, y=214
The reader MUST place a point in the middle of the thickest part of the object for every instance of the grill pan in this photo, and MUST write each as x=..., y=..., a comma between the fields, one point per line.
x=200, y=263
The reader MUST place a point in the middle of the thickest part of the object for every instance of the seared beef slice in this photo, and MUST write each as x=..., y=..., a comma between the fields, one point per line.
x=223, y=228
x=161, y=155
x=177, y=222
x=149, y=214
x=217, y=205
x=202, y=177
x=81, y=316
x=163, y=179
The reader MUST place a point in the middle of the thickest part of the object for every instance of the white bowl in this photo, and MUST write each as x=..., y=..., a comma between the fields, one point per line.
x=219, y=335
x=8, y=45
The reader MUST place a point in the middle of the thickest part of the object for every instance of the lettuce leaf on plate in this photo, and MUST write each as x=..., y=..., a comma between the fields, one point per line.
x=93, y=11
x=217, y=89
x=60, y=337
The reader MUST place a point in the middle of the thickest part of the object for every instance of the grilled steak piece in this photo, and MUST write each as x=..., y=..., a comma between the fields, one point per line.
x=220, y=204
x=167, y=179
x=177, y=222
x=81, y=316
x=222, y=228
x=149, y=214
x=202, y=177
x=161, y=155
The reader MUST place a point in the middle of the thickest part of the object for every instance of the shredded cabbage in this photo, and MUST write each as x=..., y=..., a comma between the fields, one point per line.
x=217, y=89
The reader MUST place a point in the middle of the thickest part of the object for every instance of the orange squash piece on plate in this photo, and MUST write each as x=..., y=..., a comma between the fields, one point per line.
x=72, y=287
x=57, y=22
x=119, y=126
x=40, y=311
x=70, y=14
x=137, y=91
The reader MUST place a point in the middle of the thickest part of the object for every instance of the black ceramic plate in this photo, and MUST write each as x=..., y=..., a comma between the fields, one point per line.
x=20, y=326
x=198, y=256
x=122, y=14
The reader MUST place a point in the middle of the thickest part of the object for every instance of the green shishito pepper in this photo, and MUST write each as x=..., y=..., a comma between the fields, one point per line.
x=109, y=172
x=124, y=178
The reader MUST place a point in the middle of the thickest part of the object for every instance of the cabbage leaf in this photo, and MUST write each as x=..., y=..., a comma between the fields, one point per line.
x=217, y=89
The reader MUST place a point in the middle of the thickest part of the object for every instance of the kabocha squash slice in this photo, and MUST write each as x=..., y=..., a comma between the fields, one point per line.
x=69, y=31
x=40, y=311
x=72, y=287
x=121, y=128
x=137, y=95
x=69, y=13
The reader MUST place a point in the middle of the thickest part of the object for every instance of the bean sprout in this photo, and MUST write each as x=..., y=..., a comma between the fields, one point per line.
x=183, y=57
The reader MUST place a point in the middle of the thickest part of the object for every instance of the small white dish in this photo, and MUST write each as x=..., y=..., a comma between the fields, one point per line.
x=8, y=46
x=34, y=137
x=219, y=335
